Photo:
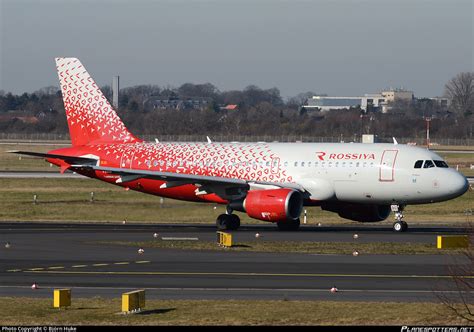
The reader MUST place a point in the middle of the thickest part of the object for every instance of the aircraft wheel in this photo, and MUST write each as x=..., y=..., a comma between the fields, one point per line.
x=400, y=226
x=234, y=222
x=227, y=222
x=222, y=222
x=405, y=226
x=289, y=225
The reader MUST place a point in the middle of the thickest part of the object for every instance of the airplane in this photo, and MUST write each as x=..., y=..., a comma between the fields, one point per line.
x=268, y=181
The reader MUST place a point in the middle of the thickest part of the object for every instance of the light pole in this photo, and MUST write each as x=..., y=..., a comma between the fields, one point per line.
x=428, y=120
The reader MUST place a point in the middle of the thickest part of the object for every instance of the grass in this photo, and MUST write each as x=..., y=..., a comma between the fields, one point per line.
x=69, y=200
x=325, y=248
x=99, y=311
x=452, y=147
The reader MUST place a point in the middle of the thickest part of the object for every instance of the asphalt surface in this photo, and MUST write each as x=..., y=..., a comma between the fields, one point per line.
x=60, y=255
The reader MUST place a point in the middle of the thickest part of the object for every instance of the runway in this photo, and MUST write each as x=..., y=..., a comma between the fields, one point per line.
x=56, y=256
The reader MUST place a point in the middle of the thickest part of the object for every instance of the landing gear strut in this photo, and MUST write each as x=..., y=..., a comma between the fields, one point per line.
x=228, y=221
x=399, y=225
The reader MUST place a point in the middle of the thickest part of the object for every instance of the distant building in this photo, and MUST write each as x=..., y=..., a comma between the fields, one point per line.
x=374, y=102
x=440, y=101
x=230, y=107
x=393, y=95
x=22, y=116
x=368, y=102
x=326, y=103
x=177, y=103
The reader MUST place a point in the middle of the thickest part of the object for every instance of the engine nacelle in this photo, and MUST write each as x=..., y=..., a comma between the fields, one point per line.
x=359, y=212
x=272, y=205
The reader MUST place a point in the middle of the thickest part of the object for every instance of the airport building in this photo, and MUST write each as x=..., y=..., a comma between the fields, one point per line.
x=377, y=102
x=374, y=102
x=393, y=95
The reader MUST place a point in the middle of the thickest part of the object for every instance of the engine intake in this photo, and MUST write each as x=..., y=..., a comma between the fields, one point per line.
x=272, y=205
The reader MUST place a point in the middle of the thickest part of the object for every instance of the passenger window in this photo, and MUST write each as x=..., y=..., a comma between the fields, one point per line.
x=285, y=164
x=309, y=164
x=418, y=163
x=302, y=164
x=296, y=164
x=428, y=164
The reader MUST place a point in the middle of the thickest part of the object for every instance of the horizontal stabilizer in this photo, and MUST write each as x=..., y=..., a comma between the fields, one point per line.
x=69, y=159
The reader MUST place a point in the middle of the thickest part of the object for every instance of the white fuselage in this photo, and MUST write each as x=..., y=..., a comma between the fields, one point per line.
x=350, y=172
x=369, y=173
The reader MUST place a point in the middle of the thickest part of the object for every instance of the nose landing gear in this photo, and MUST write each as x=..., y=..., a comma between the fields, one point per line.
x=399, y=225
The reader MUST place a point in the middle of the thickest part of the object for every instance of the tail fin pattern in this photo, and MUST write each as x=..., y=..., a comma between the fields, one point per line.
x=90, y=116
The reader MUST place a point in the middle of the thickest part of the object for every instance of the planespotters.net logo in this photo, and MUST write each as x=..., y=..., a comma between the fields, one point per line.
x=437, y=329
x=344, y=156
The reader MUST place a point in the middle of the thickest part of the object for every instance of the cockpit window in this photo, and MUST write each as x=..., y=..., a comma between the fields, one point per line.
x=441, y=163
x=418, y=163
x=428, y=164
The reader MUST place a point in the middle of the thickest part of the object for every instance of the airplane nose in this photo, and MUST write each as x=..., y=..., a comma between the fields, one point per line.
x=458, y=184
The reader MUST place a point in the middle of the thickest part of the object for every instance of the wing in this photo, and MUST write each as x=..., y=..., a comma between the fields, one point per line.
x=226, y=188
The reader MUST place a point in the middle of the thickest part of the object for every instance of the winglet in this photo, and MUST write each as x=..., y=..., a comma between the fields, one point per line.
x=394, y=141
x=208, y=140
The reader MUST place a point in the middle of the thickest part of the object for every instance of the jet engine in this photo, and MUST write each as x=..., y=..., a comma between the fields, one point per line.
x=273, y=205
x=359, y=212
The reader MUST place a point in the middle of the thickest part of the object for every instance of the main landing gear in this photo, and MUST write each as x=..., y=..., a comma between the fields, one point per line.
x=228, y=221
x=399, y=225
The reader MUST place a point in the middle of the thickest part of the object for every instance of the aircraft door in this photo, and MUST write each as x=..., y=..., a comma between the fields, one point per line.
x=127, y=157
x=387, y=165
x=275, y=165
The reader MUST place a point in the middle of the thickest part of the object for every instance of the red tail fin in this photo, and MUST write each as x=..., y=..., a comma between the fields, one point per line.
x=90, y=116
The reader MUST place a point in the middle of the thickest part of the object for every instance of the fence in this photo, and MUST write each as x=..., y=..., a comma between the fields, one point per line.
x=243, y=138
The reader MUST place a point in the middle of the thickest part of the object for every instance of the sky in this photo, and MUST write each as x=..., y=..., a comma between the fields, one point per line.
x=338, y=47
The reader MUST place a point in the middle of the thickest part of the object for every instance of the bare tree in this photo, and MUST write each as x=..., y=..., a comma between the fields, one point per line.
x=460, y=90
